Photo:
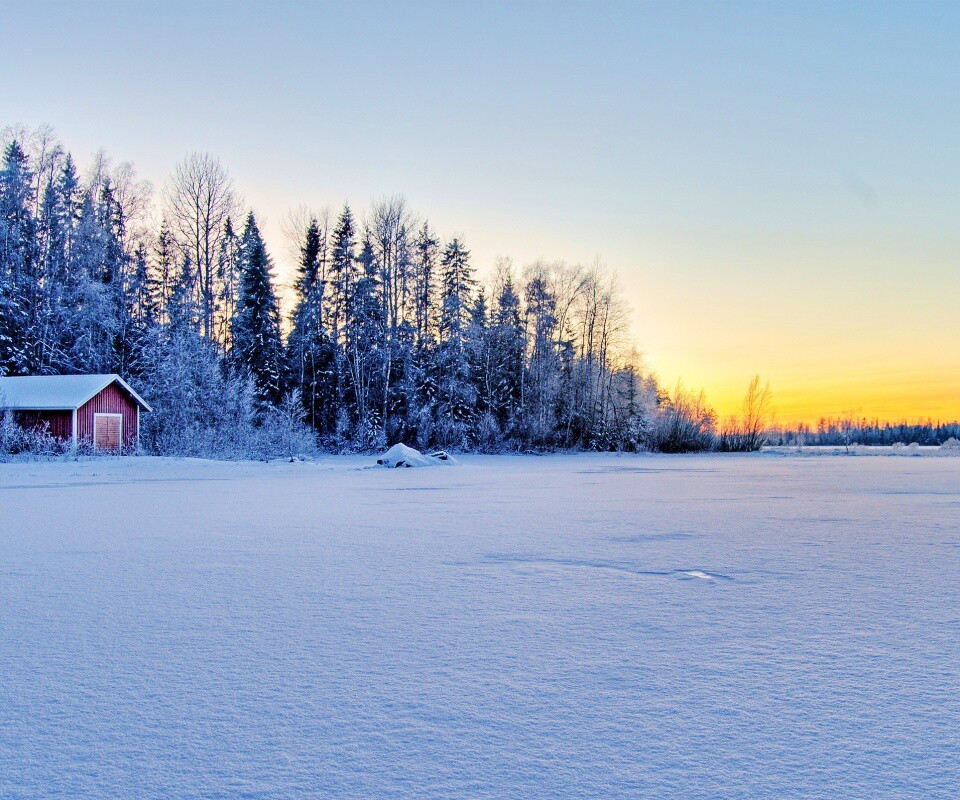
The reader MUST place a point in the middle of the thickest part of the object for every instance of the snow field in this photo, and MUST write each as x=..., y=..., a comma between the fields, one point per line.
x=516, y=627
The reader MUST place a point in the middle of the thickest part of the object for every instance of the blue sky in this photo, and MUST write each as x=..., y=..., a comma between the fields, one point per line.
x=777, y=184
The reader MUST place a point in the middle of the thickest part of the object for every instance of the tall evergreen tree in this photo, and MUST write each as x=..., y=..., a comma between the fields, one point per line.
x=425, y=249
x=342, y=269
x=18, y=251
x=310, y=351
x=364, y=339
x=226, y=283
x=456, y=393
x=61, y=206
x=256, y=323
x=508, y=357
x=165, y=268
x=544, y=362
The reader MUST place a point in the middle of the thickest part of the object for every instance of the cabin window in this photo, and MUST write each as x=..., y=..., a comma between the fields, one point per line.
x=107, y=431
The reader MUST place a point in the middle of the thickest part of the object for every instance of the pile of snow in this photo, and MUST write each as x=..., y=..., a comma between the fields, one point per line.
x=402, y=456
x=901, y=449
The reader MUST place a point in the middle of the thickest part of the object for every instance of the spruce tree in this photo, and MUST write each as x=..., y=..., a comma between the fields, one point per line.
x=226, y=283
x=544, y=364
x=364, y=340
x=18, y=281
x=508, y=346
x=457, y=396
x=61, y=207
x=309, y=348
x=165, y=268
x=256, y=324
x=342, y=268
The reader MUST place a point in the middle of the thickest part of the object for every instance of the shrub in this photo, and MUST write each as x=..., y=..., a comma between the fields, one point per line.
x=683, y=423
x=16, y=440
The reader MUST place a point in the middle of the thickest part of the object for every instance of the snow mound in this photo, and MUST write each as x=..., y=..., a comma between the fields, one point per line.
x=901, y=449
x=402, y=456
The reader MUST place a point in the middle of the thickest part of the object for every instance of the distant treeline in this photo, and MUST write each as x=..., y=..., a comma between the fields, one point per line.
x=846, y=431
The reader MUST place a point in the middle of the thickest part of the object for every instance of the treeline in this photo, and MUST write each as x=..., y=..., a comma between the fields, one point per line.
x=833, y=431
x=391, y=337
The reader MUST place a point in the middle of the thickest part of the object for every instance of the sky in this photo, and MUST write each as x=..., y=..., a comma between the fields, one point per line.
x=777, y=185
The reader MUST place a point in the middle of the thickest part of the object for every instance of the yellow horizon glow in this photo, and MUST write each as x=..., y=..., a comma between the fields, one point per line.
x=894, y=393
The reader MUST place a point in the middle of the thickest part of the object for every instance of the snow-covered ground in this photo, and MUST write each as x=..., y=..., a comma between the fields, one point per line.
x=764, y=626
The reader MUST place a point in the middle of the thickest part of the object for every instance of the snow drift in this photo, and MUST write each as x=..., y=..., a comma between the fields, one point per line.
x=402, y=456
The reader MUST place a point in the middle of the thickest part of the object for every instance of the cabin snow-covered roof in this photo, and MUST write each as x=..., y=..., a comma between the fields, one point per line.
x=58, y=392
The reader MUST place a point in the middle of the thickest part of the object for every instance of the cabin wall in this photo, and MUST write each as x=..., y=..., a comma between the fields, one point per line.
x=112, y=400
x=59, y=424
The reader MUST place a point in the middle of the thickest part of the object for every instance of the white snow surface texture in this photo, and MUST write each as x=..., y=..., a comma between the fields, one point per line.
x=761, y=626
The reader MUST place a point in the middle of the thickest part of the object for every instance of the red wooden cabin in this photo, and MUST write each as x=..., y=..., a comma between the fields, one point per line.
x=98, y=410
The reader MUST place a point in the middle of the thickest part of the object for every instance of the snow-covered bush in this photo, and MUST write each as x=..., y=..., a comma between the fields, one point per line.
x=683, y=423
x=282, y=431
x=16, y=440
x=901, y=449
x=488, y=434
x=951, y=444
x=199, y=411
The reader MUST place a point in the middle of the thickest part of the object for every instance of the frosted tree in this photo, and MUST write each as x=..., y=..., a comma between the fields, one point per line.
x=226, y=283
x=165, y=268
x=392, y=256
x=60, y=215
x=310, y=349
x=425, y=255
x=256, y=324
x=507, y=356
x=342, y=269
x=364, y=337
x=18, y=258
x=456, y=393
x=543, y=381
x=200, y=199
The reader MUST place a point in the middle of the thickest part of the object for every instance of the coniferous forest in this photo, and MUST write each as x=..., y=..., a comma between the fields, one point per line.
x=391, y=336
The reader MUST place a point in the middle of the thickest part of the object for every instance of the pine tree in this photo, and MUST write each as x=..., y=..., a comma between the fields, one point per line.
x=479, y=355
x=165, y=268
x=256, y=323
x=544, y=364
x=364, y=339
x=342, y=269
x=227, y=278
x=508, y=346
x=424, y=278
x=457, y=396
x=310, y=352
x=18, y=257
x=59, y=221
x=181, y=309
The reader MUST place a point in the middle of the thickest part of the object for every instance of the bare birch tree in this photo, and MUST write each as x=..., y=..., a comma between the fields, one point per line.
x=200, y=198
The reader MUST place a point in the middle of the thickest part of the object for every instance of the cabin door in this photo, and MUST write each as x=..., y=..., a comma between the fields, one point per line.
x=107, y=432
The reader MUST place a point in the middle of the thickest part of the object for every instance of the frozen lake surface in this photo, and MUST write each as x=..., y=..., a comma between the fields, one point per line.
x=766, y=626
